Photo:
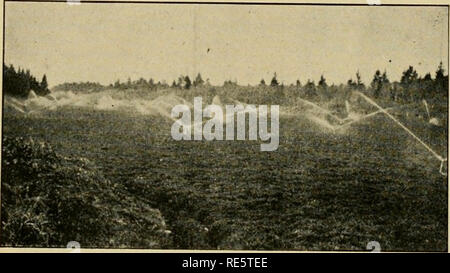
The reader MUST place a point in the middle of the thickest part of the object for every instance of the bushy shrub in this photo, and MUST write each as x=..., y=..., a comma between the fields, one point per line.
x=49, y=200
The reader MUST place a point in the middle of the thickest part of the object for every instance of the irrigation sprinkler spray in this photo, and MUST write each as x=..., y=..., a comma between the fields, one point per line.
x=362, y=118
x=426, y=107
x=321, y=109
x=441, y=159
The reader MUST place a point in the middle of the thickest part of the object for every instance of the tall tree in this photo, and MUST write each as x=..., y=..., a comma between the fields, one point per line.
x=322, y=82
x=408, y=81
x=441, y=81
x=151, y=83
x=198, y=80
x=187, y=82
x=359, y=84
x=376, y=84
x=44, y=84
x=409, y=76
x=310, y=89
x=274, y=81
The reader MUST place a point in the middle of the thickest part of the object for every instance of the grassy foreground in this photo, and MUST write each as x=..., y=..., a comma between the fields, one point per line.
x=318, y=191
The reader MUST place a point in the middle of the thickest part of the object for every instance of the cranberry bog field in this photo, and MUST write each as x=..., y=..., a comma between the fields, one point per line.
x=320, y=190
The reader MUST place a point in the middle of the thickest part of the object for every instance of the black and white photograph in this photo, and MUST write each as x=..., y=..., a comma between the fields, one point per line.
x=224, y=126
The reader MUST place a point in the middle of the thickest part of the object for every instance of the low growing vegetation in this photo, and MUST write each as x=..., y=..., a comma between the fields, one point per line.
x=49, y=200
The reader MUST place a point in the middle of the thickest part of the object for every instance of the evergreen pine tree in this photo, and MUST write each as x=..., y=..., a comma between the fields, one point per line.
x=274, y=81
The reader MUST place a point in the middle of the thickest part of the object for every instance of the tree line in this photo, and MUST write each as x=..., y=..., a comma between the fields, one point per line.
x=19, y=83
x=411, y=86
x=182, y=82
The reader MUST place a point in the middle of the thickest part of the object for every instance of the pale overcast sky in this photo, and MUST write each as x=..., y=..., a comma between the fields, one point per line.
x=105, y=42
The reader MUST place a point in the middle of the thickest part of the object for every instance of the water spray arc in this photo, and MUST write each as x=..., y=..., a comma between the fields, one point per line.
x=364, y=117
x=426, y=107
x=321, y=109
x=441, y=159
